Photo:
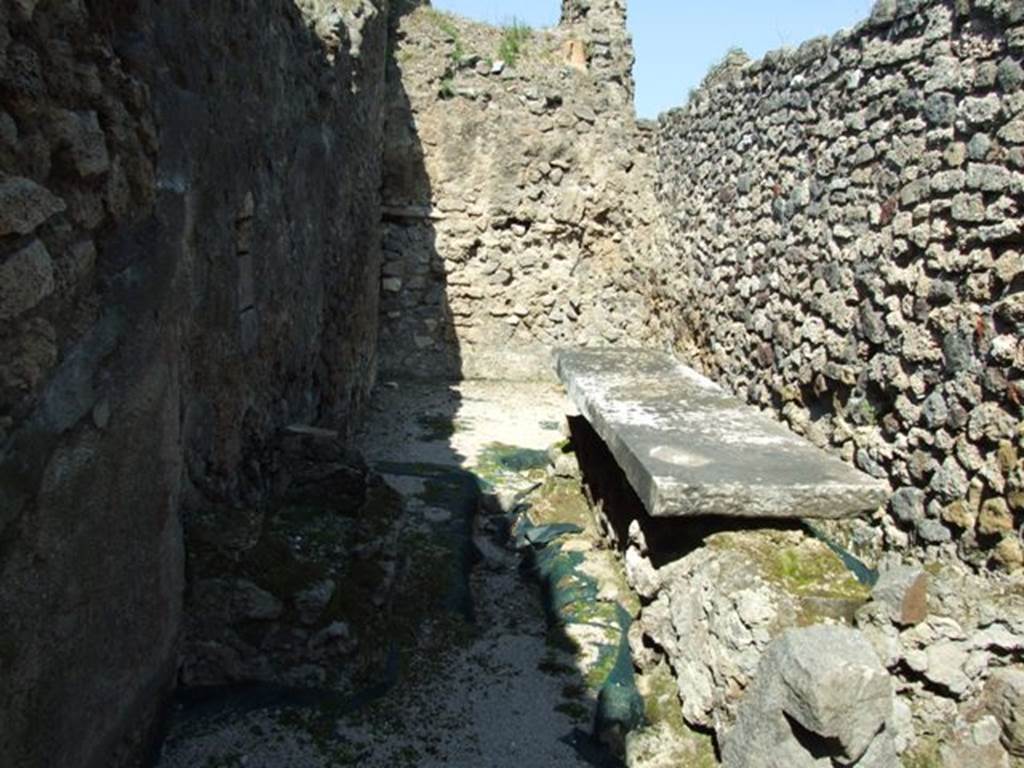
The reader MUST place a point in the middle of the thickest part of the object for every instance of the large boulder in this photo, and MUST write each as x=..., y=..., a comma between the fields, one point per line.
x=821, y=698
x=1004, y=695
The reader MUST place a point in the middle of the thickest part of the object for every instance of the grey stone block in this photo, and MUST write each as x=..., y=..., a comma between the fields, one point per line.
x=821, y=697
x=690, y=449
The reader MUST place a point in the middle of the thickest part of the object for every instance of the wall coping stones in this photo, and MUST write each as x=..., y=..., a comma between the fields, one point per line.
x=689, y=449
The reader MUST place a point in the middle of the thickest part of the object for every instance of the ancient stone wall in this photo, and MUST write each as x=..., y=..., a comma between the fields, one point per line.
x=844, y=235
x=517, y=194
x=188, y=261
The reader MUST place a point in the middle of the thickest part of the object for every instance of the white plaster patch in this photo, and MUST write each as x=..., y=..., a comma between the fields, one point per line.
x=678, y=456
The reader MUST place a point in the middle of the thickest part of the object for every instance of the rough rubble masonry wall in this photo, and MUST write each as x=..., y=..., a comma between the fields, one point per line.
x=844, y=246
x=517, y=194
x=188, y=260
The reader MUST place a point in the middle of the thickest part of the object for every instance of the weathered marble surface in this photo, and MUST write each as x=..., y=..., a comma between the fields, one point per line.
x=690, y=449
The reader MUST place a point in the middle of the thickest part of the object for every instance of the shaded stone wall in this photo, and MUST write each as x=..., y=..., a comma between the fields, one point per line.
x=189, y=257
x=517, y=194
x=843, y=246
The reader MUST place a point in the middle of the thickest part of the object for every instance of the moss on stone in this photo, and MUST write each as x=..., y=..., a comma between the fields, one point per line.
x=560, y=500
x=607, y=569
x=425, y=590
x=801, y=565
x=352, y=601
x=661, y=697
x=598, y=674
x=813, y=569
x=319, y=724
x=662, y=744
x=925, y=754
x=499, y=460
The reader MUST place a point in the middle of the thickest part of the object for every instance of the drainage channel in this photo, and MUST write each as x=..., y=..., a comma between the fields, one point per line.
x=496, y=657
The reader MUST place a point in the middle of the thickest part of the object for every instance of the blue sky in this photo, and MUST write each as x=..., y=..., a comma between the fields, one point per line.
x=678, y=40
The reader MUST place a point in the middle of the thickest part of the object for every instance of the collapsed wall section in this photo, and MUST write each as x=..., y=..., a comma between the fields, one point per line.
x=843, y=246
x=517, y=193
x=188, y=261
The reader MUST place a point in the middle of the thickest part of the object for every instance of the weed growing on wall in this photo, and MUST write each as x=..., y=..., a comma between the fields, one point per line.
x=513, y=41
x=446, y=24
x=733, y=60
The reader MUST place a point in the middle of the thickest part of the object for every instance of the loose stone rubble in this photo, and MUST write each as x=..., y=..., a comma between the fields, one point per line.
x=715, y=611
x=716, y=596
x=287, y=593
x=494, y=664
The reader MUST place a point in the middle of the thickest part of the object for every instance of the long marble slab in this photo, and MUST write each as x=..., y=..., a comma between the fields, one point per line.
x=690, y=449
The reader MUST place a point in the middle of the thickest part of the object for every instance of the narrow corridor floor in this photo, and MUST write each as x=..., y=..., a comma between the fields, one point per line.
x=481, y=679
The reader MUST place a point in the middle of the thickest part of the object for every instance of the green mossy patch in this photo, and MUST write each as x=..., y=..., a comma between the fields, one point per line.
x=804, y=567
x=598, y=674
x=596, y=613
x=500, y=460
x=319, y=725
x=659, y=746
x=273, y=566
x=352, y=601
x=560, y=500
x=813, y=570
x=665, y=727
x=434, y=587
x=925, y=754
x=303, y=544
